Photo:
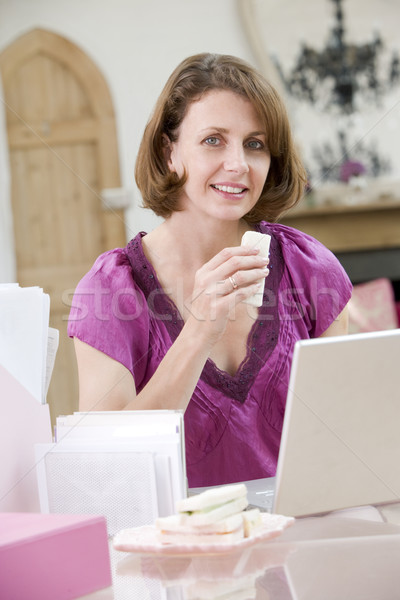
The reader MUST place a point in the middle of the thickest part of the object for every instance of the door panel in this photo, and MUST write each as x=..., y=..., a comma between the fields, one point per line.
x=63, y=152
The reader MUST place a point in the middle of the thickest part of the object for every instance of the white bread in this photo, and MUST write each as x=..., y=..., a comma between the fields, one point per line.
x=212, y=497
x=199, y=518
x=173, y=529
x=173, y=523
x=255, y=239
x=252, y=521
x=201, y=538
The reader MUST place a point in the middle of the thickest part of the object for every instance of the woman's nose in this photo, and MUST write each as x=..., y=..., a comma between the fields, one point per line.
x=235, y=160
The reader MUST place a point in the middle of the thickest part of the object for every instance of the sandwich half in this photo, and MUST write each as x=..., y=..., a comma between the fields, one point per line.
x=214, y=516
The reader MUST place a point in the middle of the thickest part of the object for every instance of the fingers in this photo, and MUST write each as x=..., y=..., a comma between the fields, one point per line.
x=242, y=279
x=228, y=253
x=245, y=264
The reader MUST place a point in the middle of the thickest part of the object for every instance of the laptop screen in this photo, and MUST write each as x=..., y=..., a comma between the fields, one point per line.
x=340, y=442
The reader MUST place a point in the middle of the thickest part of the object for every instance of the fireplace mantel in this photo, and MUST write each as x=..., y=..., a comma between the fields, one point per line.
x=350, y=227
x=365, y=236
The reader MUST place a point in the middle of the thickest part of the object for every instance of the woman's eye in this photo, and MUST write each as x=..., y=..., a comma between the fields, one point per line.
x=255, y=145
x=212, y=141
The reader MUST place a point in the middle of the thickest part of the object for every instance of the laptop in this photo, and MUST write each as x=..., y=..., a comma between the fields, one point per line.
x=340, y=445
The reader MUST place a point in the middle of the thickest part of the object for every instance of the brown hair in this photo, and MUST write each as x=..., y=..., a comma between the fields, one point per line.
x=197, y=75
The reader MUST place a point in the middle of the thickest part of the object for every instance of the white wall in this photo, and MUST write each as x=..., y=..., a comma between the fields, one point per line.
x=374, y=126
x=136, y=44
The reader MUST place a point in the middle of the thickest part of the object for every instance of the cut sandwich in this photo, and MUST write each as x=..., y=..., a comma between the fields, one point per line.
x=213, y=504
x=215, y=516
x=252, y=521
x=261, y=241
x=224, y=531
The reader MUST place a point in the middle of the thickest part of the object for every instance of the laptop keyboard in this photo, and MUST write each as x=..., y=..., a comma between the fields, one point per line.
x=260, y=493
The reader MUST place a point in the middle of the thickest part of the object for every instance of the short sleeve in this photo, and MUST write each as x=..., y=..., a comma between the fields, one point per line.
x=109, y=312
x=315, y=279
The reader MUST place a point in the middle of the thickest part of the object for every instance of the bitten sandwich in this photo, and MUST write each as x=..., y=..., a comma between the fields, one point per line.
x=215, y=516
x=255, y=239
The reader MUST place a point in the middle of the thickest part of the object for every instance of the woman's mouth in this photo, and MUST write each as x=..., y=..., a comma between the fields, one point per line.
x=237, y=191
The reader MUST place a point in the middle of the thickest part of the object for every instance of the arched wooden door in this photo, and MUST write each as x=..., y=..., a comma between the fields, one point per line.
x=63, y=152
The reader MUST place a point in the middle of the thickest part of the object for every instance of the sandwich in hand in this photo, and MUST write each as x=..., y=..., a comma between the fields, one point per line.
x=255, y=239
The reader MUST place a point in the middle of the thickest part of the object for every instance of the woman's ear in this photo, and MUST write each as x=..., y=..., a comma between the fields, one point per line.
x=167, y=149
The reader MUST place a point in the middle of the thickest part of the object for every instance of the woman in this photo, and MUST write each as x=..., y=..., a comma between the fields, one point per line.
x=162, y=323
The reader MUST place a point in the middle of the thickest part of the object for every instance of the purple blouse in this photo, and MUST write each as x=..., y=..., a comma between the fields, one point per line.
x=233, y=424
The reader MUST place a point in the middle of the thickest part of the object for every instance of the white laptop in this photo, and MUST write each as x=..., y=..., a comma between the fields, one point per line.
x=340, y=444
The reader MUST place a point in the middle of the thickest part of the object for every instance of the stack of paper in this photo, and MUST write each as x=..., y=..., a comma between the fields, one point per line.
x=127, y=465
x=27, y=345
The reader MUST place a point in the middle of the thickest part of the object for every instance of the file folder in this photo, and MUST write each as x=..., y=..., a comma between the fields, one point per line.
x=24, y=422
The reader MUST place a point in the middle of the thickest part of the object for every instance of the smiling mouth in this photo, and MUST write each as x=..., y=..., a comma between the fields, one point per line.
x=229, y=189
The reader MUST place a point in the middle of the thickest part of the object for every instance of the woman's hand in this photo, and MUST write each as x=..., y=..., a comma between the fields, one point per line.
x=230, y=277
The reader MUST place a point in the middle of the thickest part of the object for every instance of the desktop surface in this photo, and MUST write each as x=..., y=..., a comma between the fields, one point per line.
x=326, y=557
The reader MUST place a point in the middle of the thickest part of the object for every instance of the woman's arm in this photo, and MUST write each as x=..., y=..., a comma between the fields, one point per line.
x=106, y=384
x=340, y=325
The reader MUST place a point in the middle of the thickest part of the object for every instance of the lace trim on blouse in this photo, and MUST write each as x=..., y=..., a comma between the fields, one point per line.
x=263, y=335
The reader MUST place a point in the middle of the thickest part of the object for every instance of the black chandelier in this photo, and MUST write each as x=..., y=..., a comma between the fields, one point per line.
x=341, y=71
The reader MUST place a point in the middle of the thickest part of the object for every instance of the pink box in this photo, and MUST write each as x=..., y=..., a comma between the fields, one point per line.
x=52, y=557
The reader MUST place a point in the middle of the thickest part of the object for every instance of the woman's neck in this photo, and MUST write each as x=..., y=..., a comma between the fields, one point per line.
x=197, y=243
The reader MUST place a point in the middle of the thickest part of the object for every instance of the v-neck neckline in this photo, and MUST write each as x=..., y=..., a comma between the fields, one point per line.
x=263, y=334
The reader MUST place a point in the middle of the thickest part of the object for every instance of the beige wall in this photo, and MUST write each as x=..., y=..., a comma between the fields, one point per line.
x=136, y=44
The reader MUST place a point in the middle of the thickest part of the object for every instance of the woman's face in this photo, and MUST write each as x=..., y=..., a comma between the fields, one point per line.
x=222, y=146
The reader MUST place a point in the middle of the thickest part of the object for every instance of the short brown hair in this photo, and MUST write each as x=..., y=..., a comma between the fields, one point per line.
x=195, y=76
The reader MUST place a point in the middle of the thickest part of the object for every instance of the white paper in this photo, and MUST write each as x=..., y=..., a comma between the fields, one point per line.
x=24, y=322
x=158, y=431
x=52, y=347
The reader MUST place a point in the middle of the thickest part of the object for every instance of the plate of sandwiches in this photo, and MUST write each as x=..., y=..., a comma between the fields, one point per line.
x=215, y=521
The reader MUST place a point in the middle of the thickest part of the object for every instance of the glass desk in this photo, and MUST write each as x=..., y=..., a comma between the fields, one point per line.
x=317, y=558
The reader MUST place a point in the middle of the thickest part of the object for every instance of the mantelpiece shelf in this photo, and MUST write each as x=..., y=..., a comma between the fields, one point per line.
x=352, y=226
